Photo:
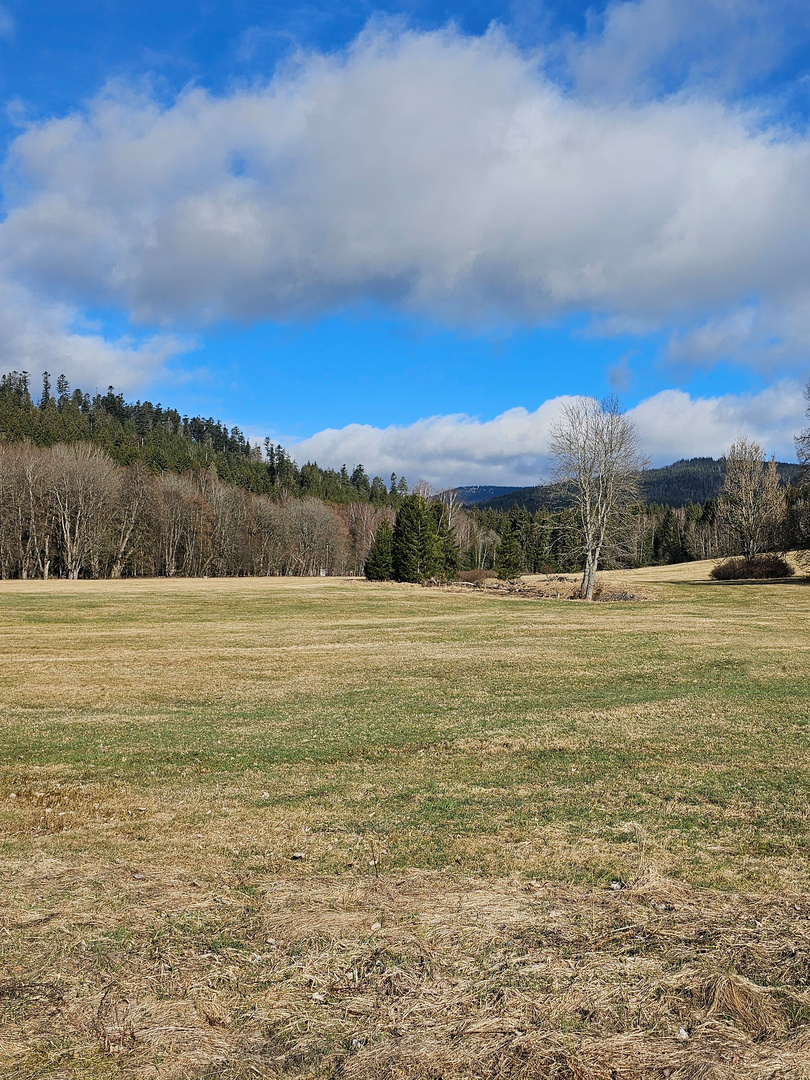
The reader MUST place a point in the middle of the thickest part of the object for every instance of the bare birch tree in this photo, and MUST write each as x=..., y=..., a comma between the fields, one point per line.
x=598, y=459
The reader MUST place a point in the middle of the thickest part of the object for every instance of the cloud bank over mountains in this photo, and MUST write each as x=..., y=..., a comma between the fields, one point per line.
x=513, y=448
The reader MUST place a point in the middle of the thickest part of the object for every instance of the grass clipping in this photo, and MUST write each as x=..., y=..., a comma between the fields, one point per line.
x=422, y=975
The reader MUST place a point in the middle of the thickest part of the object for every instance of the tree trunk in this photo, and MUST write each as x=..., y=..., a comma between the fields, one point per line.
x=589, y=575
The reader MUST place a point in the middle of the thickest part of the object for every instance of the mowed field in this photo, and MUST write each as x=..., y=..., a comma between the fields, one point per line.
x=329, y=828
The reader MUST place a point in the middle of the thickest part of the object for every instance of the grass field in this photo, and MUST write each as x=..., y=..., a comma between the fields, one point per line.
x=329, y=828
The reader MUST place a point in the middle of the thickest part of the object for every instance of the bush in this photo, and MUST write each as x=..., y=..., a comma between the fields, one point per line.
x=476, y=577
x=759, y=566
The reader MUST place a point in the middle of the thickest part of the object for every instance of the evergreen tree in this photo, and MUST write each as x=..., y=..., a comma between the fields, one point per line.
x=447, y=553
x=416, y=545
x=380, y=561
x=449, y=557
x=361, y=484
x=668, y=546
x=509, y=557
x=379, y=492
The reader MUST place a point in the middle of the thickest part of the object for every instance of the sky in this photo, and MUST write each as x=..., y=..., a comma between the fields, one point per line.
x=406, y=234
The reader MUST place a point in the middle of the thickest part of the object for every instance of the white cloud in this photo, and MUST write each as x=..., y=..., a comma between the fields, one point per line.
x=443, y=174
x=674, y=424
x=513, y=448
x=638, y=48
x=38, y=335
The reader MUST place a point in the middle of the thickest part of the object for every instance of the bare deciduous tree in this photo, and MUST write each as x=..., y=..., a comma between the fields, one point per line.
x=134, y=497
x=598, y=459
x=84, y=486
x=364, y=520
x=753, y=504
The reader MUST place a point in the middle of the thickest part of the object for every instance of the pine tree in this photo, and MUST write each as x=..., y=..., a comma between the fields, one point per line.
x=380, y=561
x=509, y=557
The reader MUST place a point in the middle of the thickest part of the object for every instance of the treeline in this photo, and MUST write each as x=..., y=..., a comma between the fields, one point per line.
x=70, y=511
x=163, y=440
x=652, y=535
x=436, y=538
x=96, y=487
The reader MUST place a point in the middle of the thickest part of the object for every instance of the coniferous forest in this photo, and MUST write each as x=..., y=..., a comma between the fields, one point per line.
x=99, y=487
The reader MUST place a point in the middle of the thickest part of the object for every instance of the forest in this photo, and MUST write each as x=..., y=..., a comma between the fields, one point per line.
x=98, y=487
x=688, y=482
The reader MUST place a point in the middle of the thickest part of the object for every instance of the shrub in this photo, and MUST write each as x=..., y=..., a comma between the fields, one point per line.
x=758, y=566
x=476, y=577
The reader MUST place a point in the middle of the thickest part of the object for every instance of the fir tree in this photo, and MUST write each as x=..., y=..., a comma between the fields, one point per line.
x=379, y=492
x=449, y=558
x=447, y=553
x=416, y=546
x=509, y=557
x=380, y=561
x=361, y=484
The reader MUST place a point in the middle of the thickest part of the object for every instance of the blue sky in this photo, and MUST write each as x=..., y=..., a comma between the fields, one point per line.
x=401, y=234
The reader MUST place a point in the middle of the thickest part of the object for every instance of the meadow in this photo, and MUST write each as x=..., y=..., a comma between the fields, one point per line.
x=330, y=828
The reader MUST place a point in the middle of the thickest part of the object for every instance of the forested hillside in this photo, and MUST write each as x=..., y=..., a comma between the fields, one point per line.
x=99, y=487
x=685, y=482
x=164, y=441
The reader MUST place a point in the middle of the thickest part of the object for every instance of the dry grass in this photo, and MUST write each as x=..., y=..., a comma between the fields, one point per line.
x=414, y=975
x=333, y=829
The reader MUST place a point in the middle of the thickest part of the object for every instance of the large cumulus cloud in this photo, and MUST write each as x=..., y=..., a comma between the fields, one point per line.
x=443, y=174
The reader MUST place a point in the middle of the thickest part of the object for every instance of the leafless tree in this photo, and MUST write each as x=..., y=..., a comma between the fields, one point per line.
x=174, y=495
x=752, y=507
x=318, y=538
x=84, y=485
x=135, y=497
x=598, y=459
x=70, y=511
x=26, y=514
x=483, y=543
x=363, y=521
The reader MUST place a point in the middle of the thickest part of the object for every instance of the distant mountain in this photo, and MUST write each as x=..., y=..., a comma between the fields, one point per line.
x=477, y=493
x=685, y=481
x=696, y=480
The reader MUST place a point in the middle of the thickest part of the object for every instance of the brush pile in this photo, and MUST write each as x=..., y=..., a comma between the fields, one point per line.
x=554, y=587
